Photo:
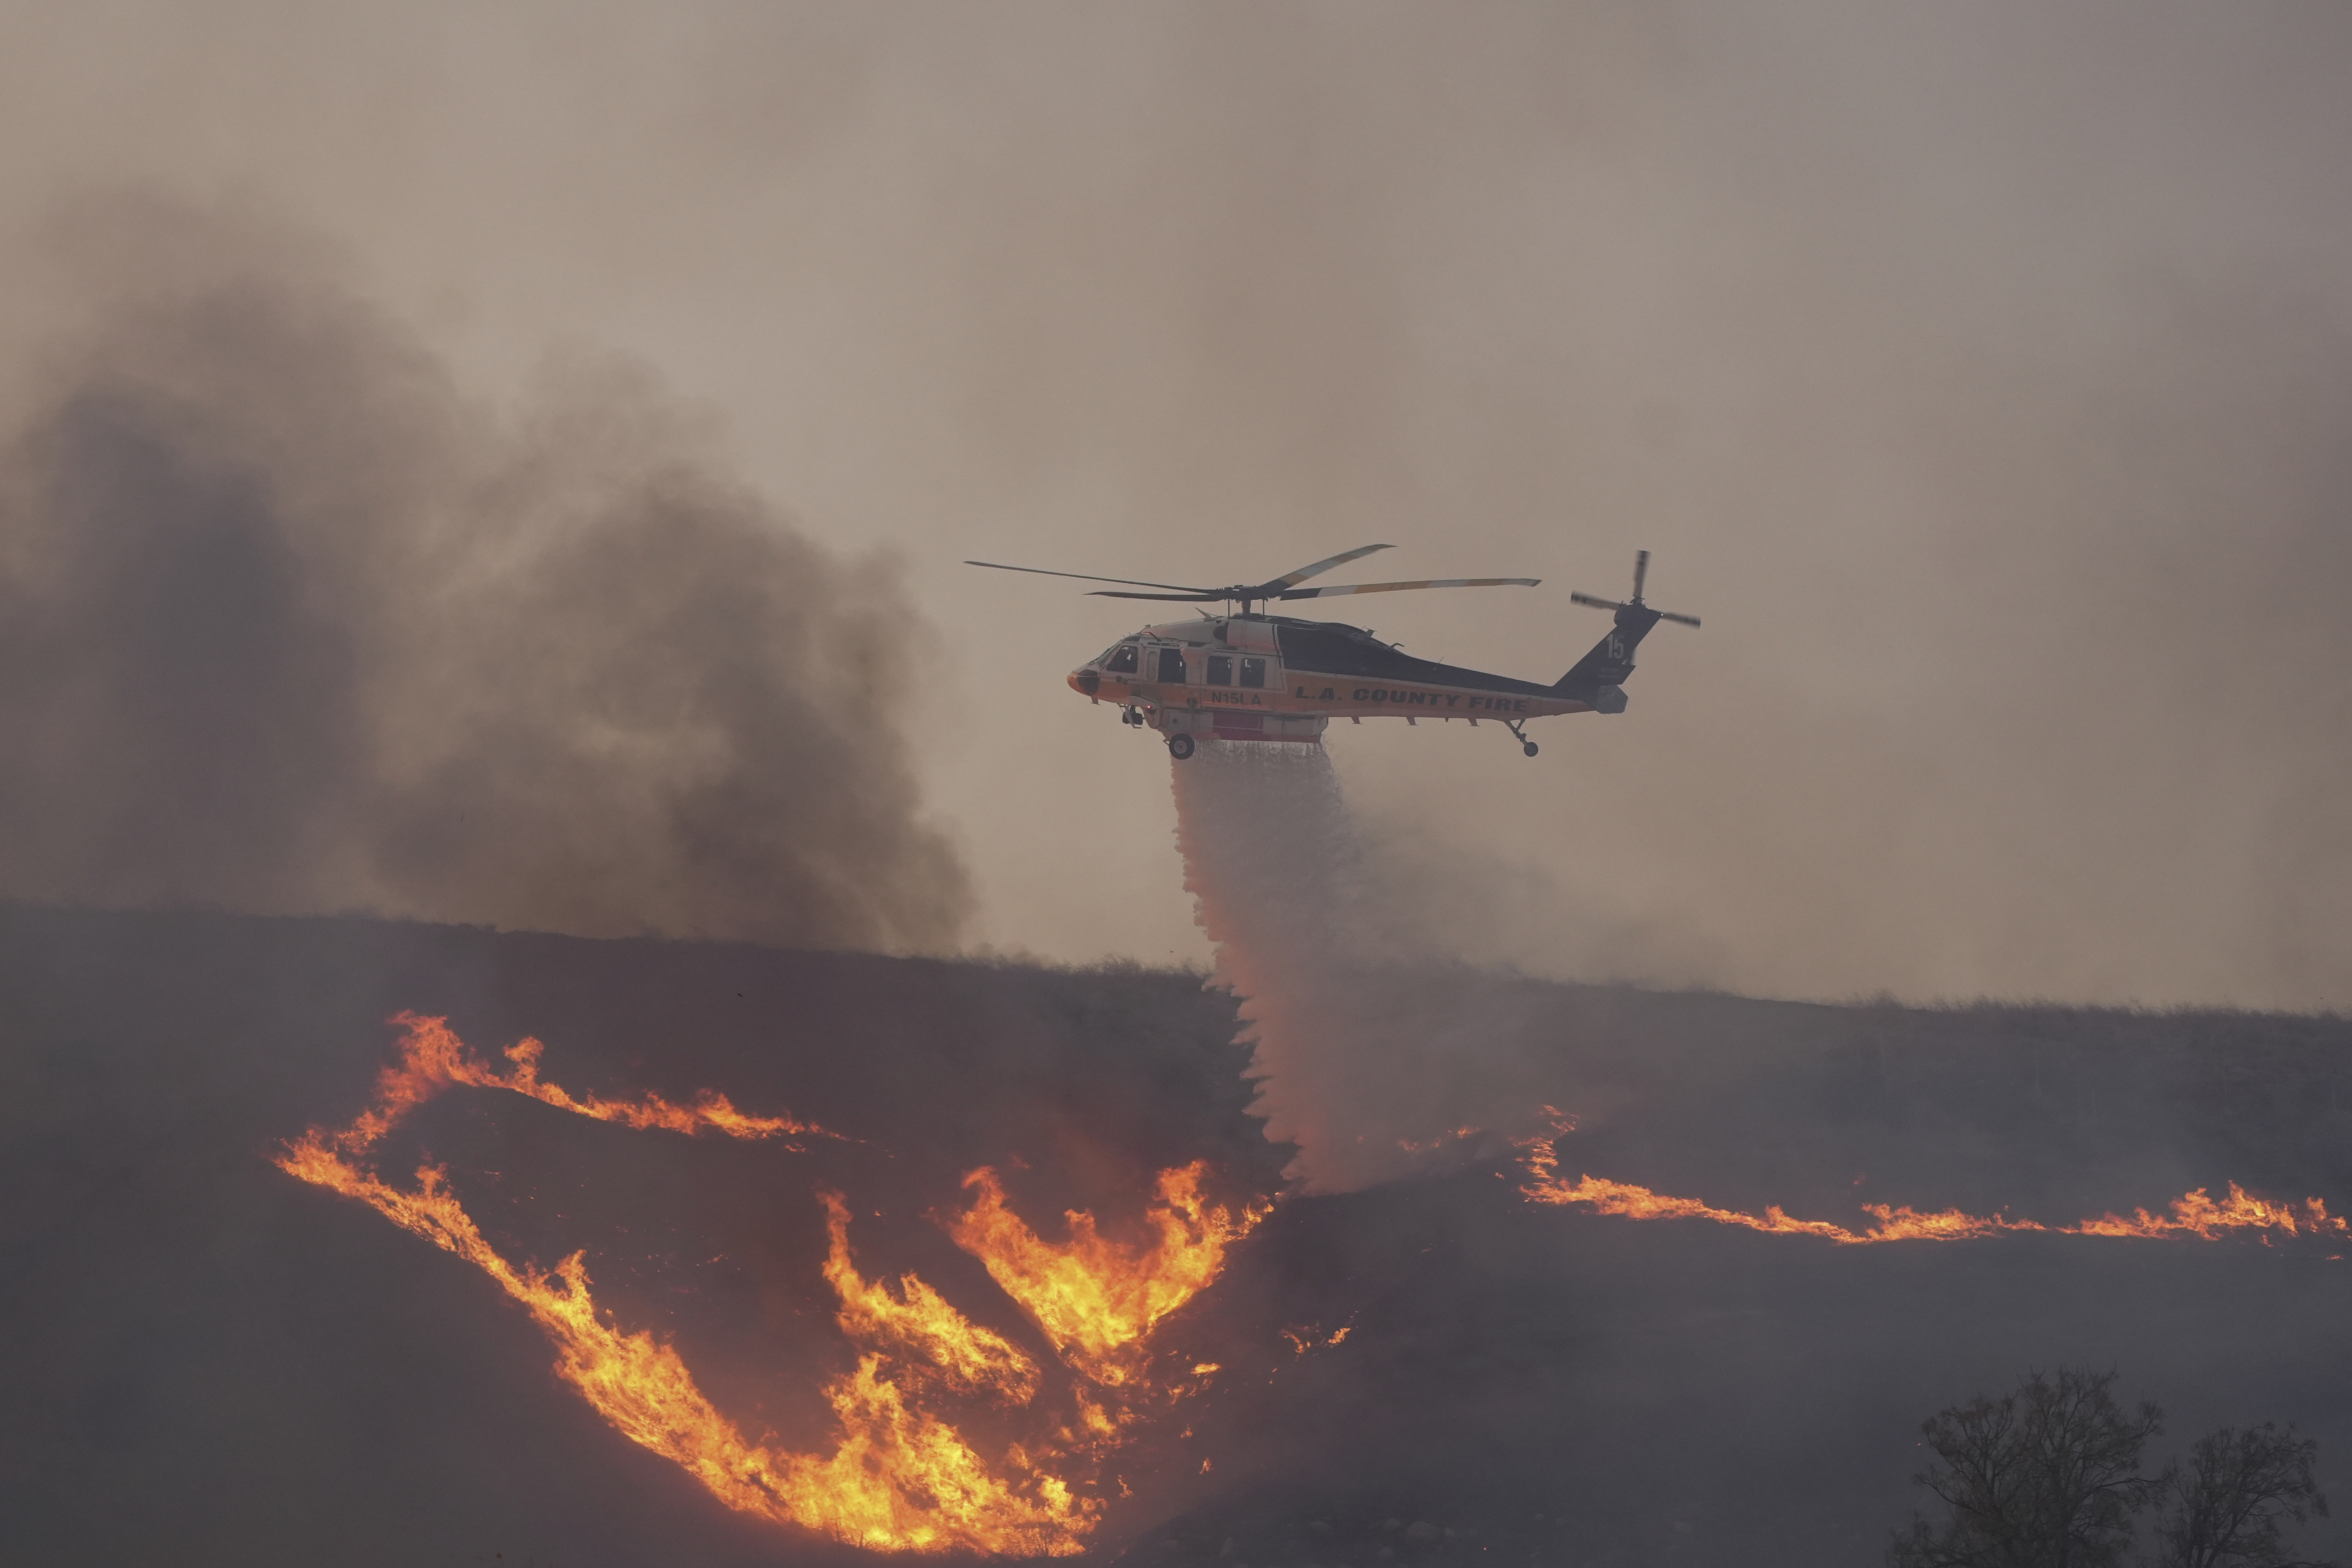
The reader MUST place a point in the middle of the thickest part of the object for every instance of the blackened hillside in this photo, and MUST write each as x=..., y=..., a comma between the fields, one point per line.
x=214, y=1363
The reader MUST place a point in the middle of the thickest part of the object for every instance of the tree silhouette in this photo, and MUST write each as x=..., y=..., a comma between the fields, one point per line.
x=2241, y=1486
x=2047, y=1477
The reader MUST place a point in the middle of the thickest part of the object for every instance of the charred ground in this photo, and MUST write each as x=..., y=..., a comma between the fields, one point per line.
x=215, y=1362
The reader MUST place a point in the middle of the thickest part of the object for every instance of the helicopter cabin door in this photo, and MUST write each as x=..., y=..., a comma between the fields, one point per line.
x=1231, y=672
x=1242, y=670
x=1254, y=664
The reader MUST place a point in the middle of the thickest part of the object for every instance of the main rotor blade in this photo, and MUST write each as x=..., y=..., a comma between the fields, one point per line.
x=1186, y=598
x=1083, y=577
x=1393, y=587
x=1294, y=578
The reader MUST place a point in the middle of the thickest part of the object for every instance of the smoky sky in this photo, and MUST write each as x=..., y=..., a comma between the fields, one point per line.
x=1979, y=375
x=290, y=623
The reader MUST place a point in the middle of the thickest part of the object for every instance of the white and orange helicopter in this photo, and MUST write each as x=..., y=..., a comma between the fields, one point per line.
x=1249, y=676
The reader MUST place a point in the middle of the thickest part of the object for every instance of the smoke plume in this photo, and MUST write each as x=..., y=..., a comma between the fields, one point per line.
x=290, y=623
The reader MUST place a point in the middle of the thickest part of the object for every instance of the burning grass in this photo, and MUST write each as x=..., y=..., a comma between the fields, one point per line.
x=900, y=1476
x=2194, y=1214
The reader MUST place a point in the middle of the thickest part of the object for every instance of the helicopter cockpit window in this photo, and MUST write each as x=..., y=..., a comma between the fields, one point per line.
x=1121, y=659
x=1253, y=672
x=1221, y=670
x=1171, y=667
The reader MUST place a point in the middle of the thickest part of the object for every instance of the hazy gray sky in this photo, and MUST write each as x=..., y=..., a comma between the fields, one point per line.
x=1982, y=375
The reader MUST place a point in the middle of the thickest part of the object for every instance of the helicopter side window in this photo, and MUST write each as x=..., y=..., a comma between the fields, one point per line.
x=1253, y=672
x=1122, y=660
x=1171, y=667
x=1221, y=670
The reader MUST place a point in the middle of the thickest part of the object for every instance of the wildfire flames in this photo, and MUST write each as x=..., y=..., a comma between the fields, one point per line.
x=2194, y=1214
x=1095, y=1300
x=900, y=1478
x=918, y=1324
x=432, y=1059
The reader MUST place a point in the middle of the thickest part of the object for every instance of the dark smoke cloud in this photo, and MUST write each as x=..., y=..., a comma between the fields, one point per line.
x=288, y=623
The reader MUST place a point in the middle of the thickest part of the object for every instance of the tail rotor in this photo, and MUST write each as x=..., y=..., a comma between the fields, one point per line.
x=1640, y=575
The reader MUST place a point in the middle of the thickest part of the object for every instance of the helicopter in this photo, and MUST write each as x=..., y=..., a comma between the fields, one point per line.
x=1247, y=675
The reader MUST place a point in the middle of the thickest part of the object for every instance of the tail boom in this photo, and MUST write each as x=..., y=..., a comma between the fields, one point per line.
x=1598, y=679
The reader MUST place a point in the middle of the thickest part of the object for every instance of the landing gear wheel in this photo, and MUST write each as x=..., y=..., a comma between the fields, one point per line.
x=1179, y=746
x=1529, y=748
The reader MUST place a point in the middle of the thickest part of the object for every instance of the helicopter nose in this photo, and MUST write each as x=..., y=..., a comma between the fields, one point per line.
x=1087, y=682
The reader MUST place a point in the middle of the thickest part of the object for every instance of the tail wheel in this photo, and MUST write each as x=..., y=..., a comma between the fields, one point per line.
x=1179, y=746
x=1529, y=748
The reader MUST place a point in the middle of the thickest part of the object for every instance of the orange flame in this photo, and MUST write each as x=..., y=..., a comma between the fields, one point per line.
x=900, y=1478
x=919, y=1322
x=2194, y=1214
x=432, y=1059
x=1096, y=1300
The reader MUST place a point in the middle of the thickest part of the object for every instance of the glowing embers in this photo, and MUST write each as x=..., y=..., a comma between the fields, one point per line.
x=2195, y=1214
x=1096, y=1299
x=900, y=1478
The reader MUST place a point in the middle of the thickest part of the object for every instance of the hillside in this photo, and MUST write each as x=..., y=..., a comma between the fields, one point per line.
x=217, y=1362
